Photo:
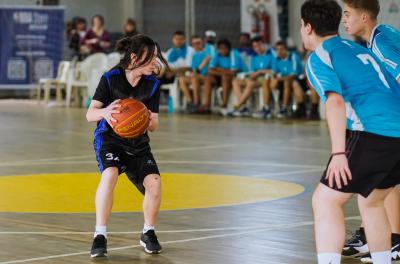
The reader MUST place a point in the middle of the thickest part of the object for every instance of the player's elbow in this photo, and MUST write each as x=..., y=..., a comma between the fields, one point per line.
x=335, y=100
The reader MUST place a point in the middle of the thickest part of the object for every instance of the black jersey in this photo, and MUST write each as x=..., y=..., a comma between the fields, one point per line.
x=114, y=85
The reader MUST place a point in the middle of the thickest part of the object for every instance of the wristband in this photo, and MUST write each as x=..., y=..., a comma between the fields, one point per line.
x=339, y=153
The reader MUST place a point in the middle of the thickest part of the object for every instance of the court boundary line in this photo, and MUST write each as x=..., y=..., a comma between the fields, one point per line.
x=269, y=228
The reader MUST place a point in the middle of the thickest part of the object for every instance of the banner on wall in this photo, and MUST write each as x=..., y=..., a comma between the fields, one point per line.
x=31, y=46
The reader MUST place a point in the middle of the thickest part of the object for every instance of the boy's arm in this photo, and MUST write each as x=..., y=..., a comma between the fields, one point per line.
x=338, y=169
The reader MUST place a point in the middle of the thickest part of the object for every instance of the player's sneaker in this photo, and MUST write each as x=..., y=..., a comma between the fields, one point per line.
x=150, y=243
x=283, y=113
x=263, y=114
x=99, y=247
x=395, y=255
x=356, y=245
x=239, y=112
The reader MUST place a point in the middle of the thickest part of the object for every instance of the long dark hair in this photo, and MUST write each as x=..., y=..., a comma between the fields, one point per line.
x=139, y=45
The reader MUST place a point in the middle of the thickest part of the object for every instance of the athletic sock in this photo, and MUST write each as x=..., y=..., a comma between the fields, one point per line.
x=329, y=258
x=383, y=257
x=362, y=231
x=101, y=230
x=395, y=239
x=147, y=228
x=266, y=107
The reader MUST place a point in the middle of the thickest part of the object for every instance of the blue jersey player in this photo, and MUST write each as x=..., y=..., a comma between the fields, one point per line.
x=362, y=114
x=360, y=20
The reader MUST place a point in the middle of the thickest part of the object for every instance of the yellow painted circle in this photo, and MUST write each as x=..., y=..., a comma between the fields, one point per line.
x=75, y=192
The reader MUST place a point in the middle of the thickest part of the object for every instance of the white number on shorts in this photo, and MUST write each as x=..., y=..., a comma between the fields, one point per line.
x=110, y=156
x=368, y=59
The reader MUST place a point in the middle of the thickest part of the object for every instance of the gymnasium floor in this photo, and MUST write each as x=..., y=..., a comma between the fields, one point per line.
x=234, y=190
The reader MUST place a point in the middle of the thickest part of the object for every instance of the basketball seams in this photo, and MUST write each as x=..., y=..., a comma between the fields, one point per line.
x=135, y=129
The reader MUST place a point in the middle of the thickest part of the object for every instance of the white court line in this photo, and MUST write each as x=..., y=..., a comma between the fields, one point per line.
x=223, y=163
x=92, y=155
x=287, y=172
x=269, y=228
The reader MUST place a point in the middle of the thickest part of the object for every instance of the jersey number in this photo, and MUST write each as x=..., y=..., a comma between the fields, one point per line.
x=368, y=59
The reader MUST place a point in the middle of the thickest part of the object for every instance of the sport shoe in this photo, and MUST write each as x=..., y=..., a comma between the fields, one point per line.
x=239, y=112
x=356, y=245
x=150, y=243
x=396, y=252
x=99, y=247
x=224, y=111
x=263, y=114
x=395, y=255
x=204, y=110
x=284, y=113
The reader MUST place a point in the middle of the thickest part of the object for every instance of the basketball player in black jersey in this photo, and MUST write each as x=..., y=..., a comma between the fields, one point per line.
x=134, y=78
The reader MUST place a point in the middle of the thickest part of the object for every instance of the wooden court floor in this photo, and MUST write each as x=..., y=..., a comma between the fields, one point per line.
x=235, y=190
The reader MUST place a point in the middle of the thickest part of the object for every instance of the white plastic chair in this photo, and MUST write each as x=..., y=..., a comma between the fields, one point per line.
x=47, y=83
x=173, y=91
x=113, y=59
x=85, y=74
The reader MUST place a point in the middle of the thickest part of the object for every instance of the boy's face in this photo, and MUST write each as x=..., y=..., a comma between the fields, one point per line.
x=281, y=51
x=258, y=47
x=353, y=20
x=197, y=44
x=178, y=41
x=223, y=50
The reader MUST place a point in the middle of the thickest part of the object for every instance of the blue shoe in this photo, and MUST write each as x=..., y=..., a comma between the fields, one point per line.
x=265, y=113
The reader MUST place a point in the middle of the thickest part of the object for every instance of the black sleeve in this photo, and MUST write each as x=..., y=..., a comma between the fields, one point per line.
x=102, y=93
x=153, y=104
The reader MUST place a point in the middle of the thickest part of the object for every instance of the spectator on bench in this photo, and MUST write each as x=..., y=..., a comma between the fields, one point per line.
x=288, y=69
x=223, y=68
x=197, y=75
x=178, y=57
x=261, y=64
x=97, y=39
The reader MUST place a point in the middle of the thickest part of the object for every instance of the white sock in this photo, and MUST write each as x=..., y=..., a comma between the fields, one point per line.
x=329, y=258
x=101, y=230
x=266, y=107
x=147, y=228
x=383, y=257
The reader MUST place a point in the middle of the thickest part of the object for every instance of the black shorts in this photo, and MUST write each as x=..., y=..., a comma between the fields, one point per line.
x=374, y=162
x=136, y=166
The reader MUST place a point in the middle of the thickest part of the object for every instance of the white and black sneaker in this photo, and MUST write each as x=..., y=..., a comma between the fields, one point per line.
x=99, y=247
x=356, y=245
x=150, y=243
x=395, y=255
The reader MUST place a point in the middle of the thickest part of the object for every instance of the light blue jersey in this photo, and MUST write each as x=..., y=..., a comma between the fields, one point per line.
x=292, y=65
x=261, y=62
x=210, y=49
x=232, y=62
x=385, y=44
x=173, y=54
x=344, y=67
x=197, y=59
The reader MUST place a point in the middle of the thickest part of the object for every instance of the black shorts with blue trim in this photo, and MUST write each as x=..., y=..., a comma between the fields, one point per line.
x=374, y=162
x=135, y=164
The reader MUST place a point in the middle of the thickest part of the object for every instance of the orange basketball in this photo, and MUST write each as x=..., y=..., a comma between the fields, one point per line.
x=133, y=119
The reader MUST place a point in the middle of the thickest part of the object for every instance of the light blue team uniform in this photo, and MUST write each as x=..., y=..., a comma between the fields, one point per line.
x=232, y=62
x=369, y=90
x=199, y=56
x=385, y=44
x=262, y=61
x=174, y=54
x=292, y=65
